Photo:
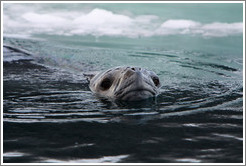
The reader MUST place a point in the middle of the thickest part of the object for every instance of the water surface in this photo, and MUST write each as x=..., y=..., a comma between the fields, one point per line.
x=50, y=115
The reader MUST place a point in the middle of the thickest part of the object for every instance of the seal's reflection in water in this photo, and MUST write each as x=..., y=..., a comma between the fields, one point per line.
x=121, y=104
x=130, y=111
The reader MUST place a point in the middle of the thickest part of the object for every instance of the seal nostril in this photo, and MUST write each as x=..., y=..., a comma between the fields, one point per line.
x=156, y=81
x=129, y=72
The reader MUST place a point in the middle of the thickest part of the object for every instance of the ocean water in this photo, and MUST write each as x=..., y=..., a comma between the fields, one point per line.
x=50, y=115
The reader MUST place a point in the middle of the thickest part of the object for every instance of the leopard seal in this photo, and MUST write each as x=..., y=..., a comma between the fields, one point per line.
x=126, y=83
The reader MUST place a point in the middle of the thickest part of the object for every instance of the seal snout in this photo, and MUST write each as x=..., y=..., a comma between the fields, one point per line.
x=139, y=86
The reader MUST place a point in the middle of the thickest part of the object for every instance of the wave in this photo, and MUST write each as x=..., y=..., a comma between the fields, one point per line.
x=11, y=54
x=100, y=22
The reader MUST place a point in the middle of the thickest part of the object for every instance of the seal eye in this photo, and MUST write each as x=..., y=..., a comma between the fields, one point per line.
x=106, y=84
x=156, y=81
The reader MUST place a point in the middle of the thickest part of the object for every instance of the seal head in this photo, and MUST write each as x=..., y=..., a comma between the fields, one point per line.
x=126, y=83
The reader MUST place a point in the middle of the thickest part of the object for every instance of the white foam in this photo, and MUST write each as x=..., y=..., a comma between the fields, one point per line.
x=222, y=29
x=216, y=29
x=105, y=159
x=179, y=24
x=43, y=19
x=100, y=22
x=14, y=154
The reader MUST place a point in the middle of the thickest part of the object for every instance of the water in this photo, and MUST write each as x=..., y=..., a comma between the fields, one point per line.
x=50, y=115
